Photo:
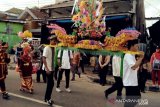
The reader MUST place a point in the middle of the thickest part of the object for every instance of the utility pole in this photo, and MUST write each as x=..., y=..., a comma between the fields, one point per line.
x=140, y=16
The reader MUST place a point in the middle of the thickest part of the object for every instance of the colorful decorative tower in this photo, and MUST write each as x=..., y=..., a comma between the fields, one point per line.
x=89, y=23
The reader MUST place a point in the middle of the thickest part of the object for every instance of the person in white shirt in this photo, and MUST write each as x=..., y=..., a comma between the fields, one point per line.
x=64, y=60
x=118, y=85
x=130, y=69
x=48, y=59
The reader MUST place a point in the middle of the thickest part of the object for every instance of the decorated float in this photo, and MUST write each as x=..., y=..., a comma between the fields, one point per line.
x=89, y=30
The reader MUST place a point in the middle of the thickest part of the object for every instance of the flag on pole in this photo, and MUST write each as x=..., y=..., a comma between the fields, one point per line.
x=75, y=3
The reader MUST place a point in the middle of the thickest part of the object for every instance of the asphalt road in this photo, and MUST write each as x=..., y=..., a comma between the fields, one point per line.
x=85, y=93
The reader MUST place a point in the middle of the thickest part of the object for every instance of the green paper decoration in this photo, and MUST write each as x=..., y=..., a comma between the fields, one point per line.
x=93, y=52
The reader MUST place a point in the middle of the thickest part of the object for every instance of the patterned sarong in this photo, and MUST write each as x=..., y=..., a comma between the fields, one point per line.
x=27, y=83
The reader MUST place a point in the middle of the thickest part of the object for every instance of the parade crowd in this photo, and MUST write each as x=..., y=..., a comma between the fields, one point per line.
x=133, y=79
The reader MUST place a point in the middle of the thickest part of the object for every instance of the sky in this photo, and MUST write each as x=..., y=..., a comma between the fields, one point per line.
x=152, y=7
x=7, y=4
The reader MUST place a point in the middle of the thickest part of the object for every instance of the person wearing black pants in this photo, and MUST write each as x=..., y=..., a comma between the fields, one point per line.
x=50, y=85
x=130, y=71
x=67, y=75
x=82, y=65
x=56, y=72
x=2, y=85
x=3, y=89
x=48, y=66
x=82, y=62
x=133, y=94
x=39, y=72
x=142, y=79
x=102, y=75
x=118, y=85
x=143, y=74
x=103, y=64
x=64, y=61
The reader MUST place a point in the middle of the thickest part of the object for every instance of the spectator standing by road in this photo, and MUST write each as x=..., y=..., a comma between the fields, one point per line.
x=103, y=67
x=155, y=62
x=75, y=65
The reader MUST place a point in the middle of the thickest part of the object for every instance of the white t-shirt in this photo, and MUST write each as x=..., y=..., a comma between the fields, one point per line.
x=65, y=59
x=47, y=52
x=116, y=65
x=129, y=75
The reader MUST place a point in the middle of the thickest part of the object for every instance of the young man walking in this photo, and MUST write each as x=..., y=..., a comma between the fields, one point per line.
x=130, y=70
x=48, y=59
x=118, y=85
x=65, y=59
